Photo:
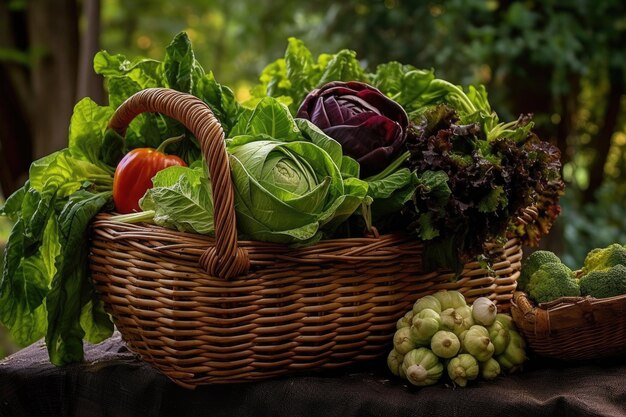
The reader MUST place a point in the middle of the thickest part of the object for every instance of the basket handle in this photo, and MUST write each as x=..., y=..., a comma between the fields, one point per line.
x=226, y=259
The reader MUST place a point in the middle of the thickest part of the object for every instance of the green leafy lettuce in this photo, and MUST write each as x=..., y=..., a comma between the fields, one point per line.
x=291, y=78
x=45, y=289
x=287, y=174
x=180, y=199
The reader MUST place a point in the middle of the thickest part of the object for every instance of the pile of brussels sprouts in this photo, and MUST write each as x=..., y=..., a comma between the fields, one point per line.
x=443, y=333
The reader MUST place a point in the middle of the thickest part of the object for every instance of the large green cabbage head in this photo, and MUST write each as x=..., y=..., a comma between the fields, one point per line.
x=290, y=192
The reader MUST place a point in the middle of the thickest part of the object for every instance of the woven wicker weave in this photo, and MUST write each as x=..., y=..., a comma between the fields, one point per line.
x=261, y=309
x=572, y=328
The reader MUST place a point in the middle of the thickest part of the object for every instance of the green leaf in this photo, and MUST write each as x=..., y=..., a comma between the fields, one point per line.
x=433, y=187
x=404, y=83
x=37, y=208
x=355, y=191
x=94, y=321
x=342, y=67
x=87, y=126
x=300, y=70
x=349, y=167
x=181, y=199
x=494, y=200
x=316, y=136
x=390, y=193
x=120, y=89
x=71, y=287
x=291, y=78
x=145, y=72
x=179, y=64
x=13, y=205
x=112, y=150
x=60, y=171
x=427, y=230
x=384, y=187
x=25, y=283
x=273, y=119
x=220, y=99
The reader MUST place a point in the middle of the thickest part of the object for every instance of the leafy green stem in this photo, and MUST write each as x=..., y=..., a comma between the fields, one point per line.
x=142, y=216
x=169, y=141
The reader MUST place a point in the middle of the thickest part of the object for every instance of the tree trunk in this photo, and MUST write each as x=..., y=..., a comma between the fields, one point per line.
x=15, y=132
x=53, y=33
x=90, y=84
x=602, y=142
x=568, y=109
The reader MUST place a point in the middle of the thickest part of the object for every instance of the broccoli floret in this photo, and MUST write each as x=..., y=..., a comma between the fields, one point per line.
x=606, y=283
x=551, y=281
x=602, y=259
x=534, y=261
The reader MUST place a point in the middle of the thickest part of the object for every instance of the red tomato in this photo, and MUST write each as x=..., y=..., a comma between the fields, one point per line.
x=133, y=176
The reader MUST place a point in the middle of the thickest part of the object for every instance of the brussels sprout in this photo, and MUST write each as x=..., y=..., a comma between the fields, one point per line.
x=478, y=344
x=463, y=368
x=425, y=324
x=499, y=335
x=490, y=369
x=445, y=344
x=514, y=355
x=403, y=342
x=450, y=299
x=405, y=321
x=422, y=367
x=506, y=320
x=394, y=362
x=427, y=302
x=453, y=321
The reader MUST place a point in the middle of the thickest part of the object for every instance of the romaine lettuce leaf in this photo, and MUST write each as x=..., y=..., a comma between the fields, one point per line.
x=181, y=199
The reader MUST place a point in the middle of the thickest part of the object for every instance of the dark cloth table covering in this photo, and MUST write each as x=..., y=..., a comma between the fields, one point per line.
x=113, y=382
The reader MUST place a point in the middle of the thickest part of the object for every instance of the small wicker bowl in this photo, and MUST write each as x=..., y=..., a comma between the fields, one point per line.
x=572, y=328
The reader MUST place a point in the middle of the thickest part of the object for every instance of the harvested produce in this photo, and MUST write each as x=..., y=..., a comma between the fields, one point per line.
x=531, y=264
x=451, y=339
x=445, y=344
x=370, y=127
x=601, y=259
x=551, y=281
x=603, y=274
x=133, y=175
x=422, y=367
x=445, y=169
x=604, y=283
x=463, y=368
x=484, y=311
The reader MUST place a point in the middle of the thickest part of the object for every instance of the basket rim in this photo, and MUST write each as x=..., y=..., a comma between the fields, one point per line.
x=563, y=302
x=564, y=315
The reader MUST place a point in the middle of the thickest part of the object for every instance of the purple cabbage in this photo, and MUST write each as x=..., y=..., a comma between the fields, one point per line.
x=370, y=127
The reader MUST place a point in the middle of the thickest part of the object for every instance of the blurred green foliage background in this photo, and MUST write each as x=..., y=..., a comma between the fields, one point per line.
x=564, y=61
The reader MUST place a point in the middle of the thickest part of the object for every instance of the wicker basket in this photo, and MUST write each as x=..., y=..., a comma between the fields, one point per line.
x=572, y=328
x=204, y=310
